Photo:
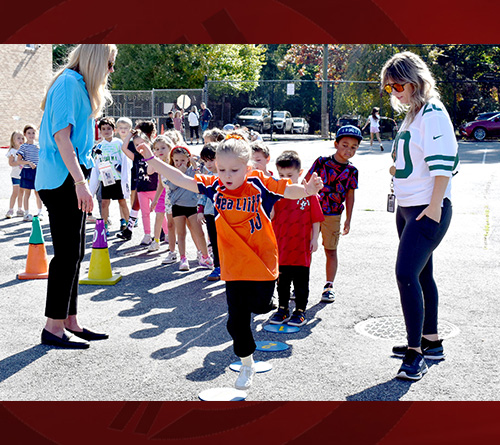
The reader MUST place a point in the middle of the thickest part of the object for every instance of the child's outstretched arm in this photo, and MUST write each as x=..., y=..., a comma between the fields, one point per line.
x=171, y=173
x=307, y=188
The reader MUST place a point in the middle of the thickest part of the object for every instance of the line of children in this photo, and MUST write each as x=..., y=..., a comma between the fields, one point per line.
x=16, y=140
x=27, y=157
x=243, y=200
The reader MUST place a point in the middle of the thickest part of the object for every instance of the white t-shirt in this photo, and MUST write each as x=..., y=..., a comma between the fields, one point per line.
x=193, y=119
x=16, y=171
x=424, y=149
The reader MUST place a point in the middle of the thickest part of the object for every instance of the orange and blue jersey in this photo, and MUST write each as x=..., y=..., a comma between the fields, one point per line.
x=247, y=244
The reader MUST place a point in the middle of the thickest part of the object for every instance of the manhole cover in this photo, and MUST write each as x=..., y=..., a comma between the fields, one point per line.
x=393, y=328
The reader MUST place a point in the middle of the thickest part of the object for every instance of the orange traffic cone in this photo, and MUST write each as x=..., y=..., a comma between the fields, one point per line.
x=100, y=267
x=37, y=265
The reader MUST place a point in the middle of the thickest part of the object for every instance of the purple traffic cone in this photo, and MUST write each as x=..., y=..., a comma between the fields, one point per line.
x=100, y=267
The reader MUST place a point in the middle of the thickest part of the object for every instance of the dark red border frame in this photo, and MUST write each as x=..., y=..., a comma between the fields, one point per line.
x=259, y=21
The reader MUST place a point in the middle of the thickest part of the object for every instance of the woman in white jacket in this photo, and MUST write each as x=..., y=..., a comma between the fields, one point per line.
x=194, y=124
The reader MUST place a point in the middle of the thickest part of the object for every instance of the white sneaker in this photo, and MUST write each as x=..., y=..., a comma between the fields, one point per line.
x=91, y=218
x=28, y=217
x=328, y=295
x=245, y=377
x=20, y=212
x=206, y=263
x=40, y=216
x=9, y=214
x=153, y=247
x=170, y=258
x=184, y=264
x=147, y=240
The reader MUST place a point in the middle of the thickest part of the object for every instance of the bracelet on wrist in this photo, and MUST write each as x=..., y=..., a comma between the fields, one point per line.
x=149, y=159
x=83, y=181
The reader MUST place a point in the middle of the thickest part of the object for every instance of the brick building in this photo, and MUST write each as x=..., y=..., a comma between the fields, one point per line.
x=25, y=73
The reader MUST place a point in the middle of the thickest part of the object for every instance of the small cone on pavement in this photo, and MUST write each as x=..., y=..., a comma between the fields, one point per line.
x=100, y=267
x=37, y=265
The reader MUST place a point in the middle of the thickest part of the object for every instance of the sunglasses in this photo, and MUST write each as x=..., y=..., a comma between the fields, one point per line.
x=111, y=65
x=399, y=87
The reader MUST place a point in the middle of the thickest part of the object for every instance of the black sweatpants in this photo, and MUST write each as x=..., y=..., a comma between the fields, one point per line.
x=414, y=272
x=243, y=299
x=299, y=276
x=67, y=228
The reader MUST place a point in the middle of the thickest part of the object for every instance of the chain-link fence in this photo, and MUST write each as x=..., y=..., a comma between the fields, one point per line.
x=154, y=104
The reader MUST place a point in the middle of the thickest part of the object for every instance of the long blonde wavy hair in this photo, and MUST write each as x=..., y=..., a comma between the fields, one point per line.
x=407, y=67
x=91, y=61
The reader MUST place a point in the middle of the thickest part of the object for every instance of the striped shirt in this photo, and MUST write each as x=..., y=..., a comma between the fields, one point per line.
x=29, y=152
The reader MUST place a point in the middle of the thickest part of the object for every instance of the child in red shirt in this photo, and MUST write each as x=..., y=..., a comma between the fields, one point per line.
x=296, y=224
x=243, y=201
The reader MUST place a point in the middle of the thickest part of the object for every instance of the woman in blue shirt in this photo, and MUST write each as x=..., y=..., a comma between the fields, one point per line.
x=75, y=97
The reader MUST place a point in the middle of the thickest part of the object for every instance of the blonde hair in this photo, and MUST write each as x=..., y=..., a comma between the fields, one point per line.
x=12, y=138
x=175, y=136
x=237, y=144
x=91, y=61
x=407, y=67
x=124, y=120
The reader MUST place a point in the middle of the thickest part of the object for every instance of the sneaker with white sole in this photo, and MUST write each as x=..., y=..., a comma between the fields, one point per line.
x=20, y=212
x=281, y=316
x=184, y=265
x=91, y=218
x=170, y=258
x=9, y=214
x=245, y=377
x=328, y=295
x=214, y=275
x=206, y=263
x=154, y=246
x=28, y=217
x=40, y=216
x=413, y=367
x=147, y=240
x=298, y=318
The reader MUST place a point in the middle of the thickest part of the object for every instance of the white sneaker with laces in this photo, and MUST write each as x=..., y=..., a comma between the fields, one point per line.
x=28, y=217
x=147, y=240
x=40, y=216
x=245, y=377
x=20, y=212
x=154, y=246
x=9, y=214
x=184, y=264
x=170, y=258
x=206, y=263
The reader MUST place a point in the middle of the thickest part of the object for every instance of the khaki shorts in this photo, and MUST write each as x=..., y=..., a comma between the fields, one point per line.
x=330, y=231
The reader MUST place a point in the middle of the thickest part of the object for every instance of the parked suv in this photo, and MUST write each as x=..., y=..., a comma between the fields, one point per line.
x=480, y=129
x=258, y=119
x=282, y=121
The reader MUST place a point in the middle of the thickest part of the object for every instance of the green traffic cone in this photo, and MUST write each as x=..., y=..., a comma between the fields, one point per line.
x=36, y=236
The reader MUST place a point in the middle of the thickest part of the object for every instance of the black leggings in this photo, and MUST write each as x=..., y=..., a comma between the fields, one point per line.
x=243, y=299
x=212, y=234
x=67, y=228
x=299, y=276
x=417, y=288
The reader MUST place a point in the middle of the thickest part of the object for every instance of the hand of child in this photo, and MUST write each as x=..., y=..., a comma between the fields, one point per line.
x=314, y=185
x=153, y=206
x=201, y=218
x=145, y=150
x=314, y=245
x=347, y=228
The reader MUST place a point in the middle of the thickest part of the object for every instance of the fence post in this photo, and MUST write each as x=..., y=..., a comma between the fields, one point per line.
x=204, y=95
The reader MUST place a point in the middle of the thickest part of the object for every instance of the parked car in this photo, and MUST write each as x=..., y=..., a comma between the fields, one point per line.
x=258, y=119
x=350, y=119
x=300, y=125
x=487, y=115
x=386, y=125
x=480, y=129
x=282, y=121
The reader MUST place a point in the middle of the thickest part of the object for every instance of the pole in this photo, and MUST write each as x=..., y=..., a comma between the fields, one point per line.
x=324, y=95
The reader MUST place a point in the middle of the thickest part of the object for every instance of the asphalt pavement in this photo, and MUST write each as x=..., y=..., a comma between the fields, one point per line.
x=168, y=338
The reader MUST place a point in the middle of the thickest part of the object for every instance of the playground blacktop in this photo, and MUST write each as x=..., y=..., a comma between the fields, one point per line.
x=168, y=338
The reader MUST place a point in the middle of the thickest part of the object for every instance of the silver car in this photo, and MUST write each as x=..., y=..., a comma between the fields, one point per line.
x=300, y=125
x=282, y=121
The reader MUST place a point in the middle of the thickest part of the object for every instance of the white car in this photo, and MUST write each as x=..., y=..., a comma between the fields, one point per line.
x=300, y=125
x=282, y=121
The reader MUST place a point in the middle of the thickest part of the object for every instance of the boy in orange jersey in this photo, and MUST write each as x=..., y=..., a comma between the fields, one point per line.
x=248, y=250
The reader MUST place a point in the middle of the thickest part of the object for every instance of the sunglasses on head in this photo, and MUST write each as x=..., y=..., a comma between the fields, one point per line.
x=399, y=87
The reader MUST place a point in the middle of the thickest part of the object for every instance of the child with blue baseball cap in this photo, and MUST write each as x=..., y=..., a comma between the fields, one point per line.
x=340, y=179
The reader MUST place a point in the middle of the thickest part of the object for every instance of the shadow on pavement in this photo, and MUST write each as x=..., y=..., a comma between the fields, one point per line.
x=15, y=363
